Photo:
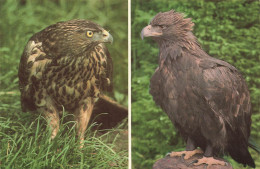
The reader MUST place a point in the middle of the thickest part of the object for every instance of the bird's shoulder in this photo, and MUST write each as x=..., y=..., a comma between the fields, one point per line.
x=218, y=73
x=33, y=52
x=212, y=63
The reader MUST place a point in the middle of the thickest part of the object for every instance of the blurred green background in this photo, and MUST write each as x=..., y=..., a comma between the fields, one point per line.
x=19, y=20
x=226, y=29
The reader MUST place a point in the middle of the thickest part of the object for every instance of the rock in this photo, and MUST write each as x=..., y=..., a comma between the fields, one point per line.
x=179, y=163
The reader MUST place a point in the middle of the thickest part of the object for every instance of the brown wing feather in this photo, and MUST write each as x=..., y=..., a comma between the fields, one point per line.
x=227, y=95
x=26, y=85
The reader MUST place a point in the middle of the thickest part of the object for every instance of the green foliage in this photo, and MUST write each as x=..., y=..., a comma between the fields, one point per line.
x=228, y=30
x=24, y=142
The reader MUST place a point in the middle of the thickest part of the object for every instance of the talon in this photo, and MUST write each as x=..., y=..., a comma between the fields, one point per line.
x=186, y=154
x=209, y=161
x=182, y=158
x=167, y=154
x=194, y=161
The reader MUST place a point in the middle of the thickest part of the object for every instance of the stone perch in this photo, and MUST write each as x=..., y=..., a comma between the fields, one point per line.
x=178, y=163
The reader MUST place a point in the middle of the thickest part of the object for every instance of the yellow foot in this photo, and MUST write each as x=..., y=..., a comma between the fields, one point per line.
x=210, y=161
x=81, y=143
x=187, y=154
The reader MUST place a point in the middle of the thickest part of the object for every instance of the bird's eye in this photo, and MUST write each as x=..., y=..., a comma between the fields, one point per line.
x=89, y=34
x=162, y=26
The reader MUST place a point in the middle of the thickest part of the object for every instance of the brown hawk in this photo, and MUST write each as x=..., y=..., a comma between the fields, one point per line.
x=66, y=65
x=206, y=99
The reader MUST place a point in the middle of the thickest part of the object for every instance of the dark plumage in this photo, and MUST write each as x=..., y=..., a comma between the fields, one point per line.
x=206, y=99
x=65, y=65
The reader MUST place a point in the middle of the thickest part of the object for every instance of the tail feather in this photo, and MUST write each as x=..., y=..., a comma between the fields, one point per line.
x=243, y=156
x=253, y=145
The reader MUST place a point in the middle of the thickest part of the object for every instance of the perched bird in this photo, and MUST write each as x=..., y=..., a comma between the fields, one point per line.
x=66, y=65
x=206, y=99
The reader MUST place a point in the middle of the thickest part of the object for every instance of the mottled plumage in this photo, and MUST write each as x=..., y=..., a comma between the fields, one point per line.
x=65, y=65
x=206, y=99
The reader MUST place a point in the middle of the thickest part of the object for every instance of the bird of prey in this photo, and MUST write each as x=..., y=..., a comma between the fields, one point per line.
x=66, y=65
x=206, y=99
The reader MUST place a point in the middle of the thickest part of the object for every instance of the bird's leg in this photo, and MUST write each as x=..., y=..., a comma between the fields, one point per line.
x=52, y=116
x=208, y=158
x=190, y=150
x=83, y=115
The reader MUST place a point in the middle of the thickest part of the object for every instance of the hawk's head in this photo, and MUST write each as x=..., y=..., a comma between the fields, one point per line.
x=169, y=25
x=72, y=38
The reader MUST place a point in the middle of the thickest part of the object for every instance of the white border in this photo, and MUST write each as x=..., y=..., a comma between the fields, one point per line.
x=129, y=88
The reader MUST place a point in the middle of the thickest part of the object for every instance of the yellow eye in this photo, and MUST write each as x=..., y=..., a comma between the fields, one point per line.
x=90, y=34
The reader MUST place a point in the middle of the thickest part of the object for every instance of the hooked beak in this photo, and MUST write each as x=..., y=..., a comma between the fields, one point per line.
x=107, y=37
x=150, y=31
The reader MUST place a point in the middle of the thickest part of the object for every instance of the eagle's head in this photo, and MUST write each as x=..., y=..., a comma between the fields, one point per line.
x=168, y=26
x=74, y=37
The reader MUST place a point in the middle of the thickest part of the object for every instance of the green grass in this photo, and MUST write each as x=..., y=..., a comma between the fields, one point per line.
x=25, y=143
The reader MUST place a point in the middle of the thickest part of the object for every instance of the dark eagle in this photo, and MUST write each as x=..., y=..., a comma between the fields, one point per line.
x=66, y=65
x=206, y=99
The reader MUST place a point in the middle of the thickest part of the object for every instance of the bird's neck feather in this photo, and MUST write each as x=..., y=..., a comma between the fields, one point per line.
x=174, y=48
